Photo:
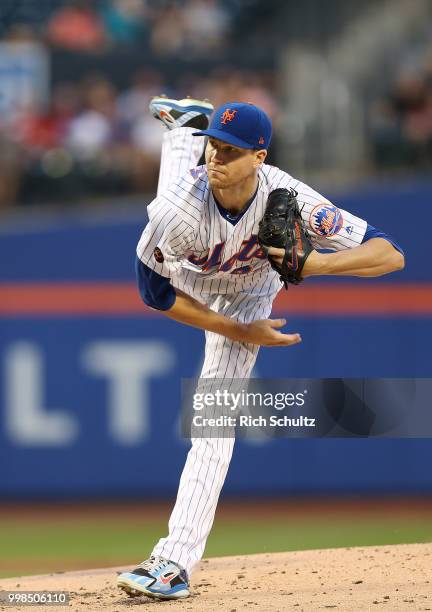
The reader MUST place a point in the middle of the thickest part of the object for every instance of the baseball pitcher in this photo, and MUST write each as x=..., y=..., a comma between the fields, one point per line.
x=222, y=240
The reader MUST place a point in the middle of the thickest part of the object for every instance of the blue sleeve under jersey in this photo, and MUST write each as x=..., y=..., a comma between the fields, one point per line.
x=156, y=291
x=372, y=232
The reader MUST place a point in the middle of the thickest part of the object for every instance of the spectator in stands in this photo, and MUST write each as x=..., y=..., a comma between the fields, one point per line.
x=93, y=129
x=418, y=121
x=77, y=27
x=126, y=21
x=402, y=123
x=133, y=102
x=38, y=132
x=206, y=24
x=168, y=30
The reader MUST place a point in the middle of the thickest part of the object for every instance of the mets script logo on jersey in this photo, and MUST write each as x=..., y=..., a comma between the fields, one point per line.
x=249, y=250
x=326, y=220
x=228, y=115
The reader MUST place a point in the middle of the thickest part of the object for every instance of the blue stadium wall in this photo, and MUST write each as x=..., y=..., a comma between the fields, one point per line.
x=89, y=400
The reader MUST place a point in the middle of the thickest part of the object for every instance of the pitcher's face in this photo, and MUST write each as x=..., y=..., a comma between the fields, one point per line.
x=228, y=165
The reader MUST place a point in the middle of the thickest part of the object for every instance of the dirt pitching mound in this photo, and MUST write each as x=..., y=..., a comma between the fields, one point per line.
x=344, y=579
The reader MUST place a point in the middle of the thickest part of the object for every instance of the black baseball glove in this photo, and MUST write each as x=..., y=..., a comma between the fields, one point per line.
x=282, y=227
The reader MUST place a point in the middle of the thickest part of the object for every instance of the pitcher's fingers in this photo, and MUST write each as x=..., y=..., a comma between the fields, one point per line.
x=288, y=339
x=277, y=322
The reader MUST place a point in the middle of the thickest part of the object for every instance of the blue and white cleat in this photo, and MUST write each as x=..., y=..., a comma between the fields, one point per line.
x=181, y=113
x=157, y=577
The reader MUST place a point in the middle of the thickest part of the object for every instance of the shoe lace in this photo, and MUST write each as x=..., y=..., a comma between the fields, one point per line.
x=154, y=563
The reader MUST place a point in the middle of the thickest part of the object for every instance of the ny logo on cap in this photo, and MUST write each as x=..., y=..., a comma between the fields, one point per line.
x=227, y=116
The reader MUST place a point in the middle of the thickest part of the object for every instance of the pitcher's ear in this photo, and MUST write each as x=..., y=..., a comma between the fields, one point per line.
x=260, y=156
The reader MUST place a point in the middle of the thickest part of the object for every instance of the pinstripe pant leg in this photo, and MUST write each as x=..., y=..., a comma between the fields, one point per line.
x=180, y=152
x=208, y=460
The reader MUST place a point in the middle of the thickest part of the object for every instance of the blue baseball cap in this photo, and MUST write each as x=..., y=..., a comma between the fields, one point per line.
x=240, y=124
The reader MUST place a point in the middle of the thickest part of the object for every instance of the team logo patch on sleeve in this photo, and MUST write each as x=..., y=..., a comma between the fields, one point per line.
x=326, y=220
x=157, y=254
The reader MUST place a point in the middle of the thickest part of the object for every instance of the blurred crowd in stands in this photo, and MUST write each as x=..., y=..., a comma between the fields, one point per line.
x=94, y=139
x=95, y=26
x=401, y=121
x=93, y=136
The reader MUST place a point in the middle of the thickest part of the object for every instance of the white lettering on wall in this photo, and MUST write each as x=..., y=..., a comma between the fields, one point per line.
x=129, y=368
x=27, y=422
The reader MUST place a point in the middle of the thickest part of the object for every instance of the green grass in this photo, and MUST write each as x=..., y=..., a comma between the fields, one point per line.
x=279, y=536
x=38, y=548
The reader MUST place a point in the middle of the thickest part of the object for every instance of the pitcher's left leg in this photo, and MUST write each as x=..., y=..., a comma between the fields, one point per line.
x=165, y=575
x=209, y=458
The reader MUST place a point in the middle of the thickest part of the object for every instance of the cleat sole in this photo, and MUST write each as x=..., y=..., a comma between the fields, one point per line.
x=187, y=104
x=129, y=591
x=132, y=591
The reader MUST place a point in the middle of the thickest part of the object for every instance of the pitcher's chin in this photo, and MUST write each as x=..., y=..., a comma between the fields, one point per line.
x=217, y=181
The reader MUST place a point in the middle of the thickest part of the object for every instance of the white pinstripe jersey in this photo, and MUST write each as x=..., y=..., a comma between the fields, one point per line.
x=206, y=254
